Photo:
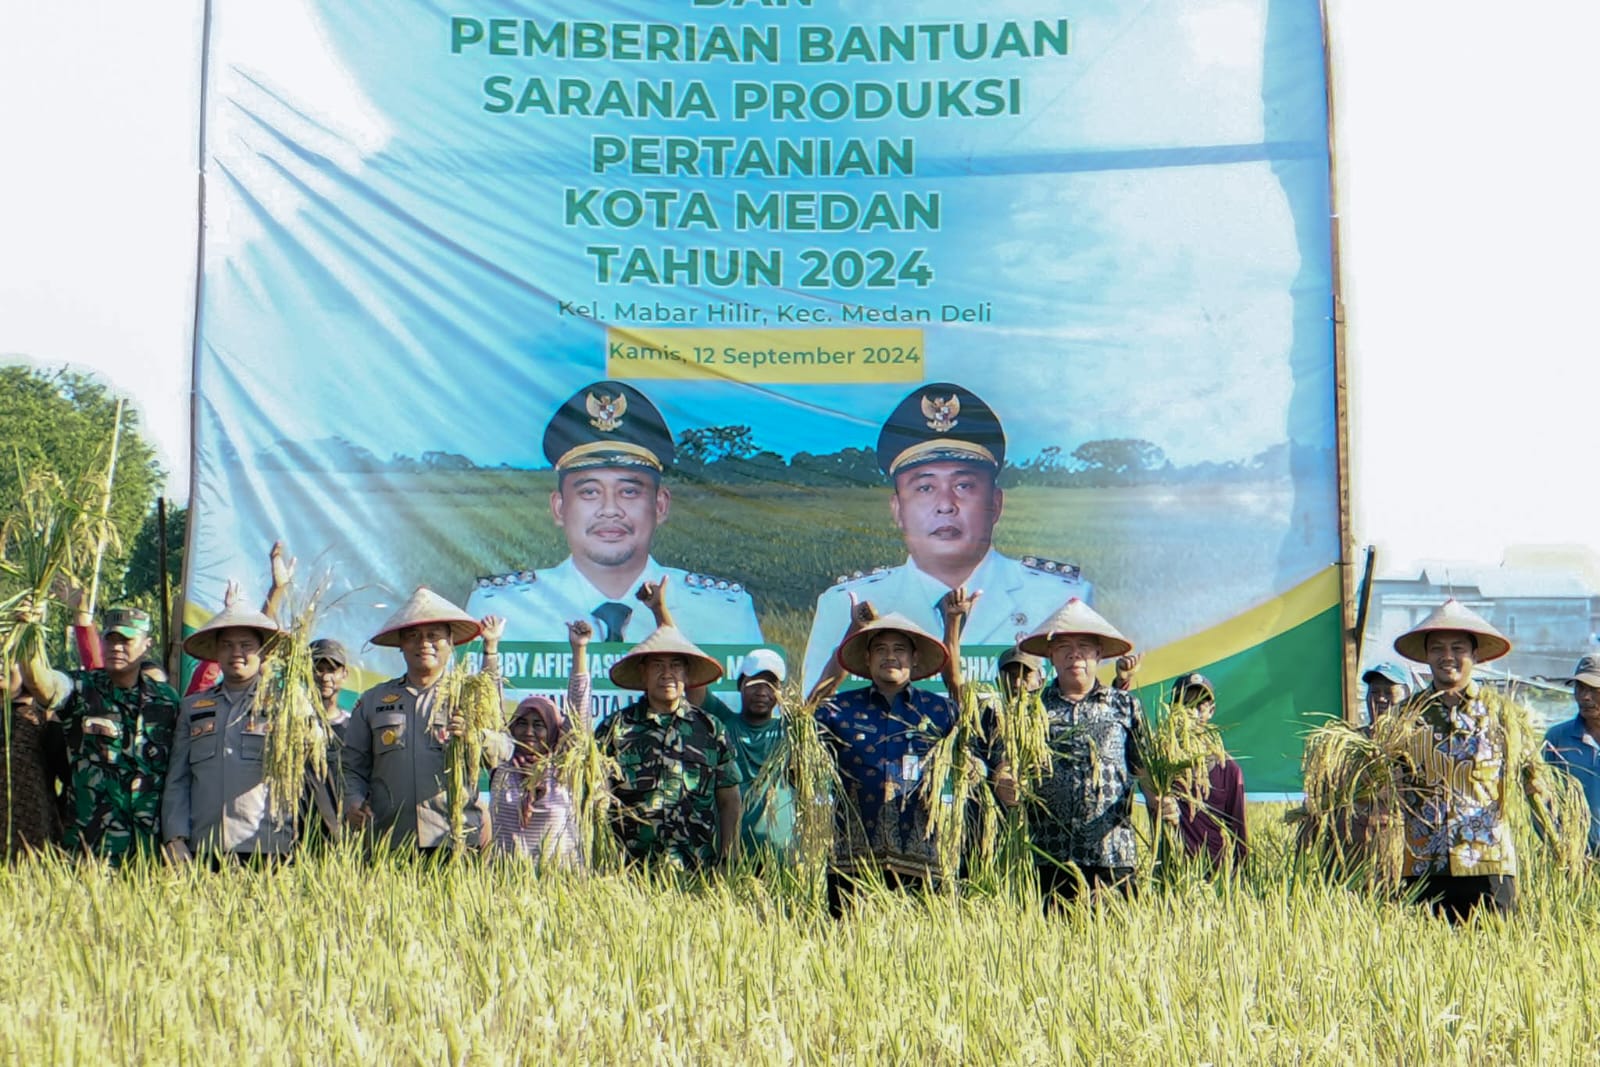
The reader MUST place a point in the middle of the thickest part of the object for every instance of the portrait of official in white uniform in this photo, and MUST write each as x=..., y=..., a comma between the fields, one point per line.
x=942, y=449
x=611, y=448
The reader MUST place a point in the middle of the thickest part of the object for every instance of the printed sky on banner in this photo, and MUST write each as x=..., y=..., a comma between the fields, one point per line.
x=427, y=230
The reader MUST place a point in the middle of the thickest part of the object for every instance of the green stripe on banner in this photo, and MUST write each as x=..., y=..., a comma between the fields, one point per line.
x=1270, y=696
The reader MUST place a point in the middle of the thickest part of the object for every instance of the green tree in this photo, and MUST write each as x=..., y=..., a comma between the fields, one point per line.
x=1121, y=455
x=62, y=420
x=142, y=582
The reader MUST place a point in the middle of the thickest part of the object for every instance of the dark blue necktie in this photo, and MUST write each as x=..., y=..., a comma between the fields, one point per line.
x=614, y=617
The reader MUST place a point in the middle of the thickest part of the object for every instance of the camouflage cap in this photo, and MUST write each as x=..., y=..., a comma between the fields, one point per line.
x=127, y=622
x=326, y=648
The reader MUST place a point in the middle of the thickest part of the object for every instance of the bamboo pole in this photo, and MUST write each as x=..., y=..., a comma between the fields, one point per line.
x=166, y=584
x=1341, y=396
x=105, y=509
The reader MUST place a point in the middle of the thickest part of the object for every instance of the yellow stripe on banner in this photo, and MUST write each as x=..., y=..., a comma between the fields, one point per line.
x=750, y=356
x=1260, y=624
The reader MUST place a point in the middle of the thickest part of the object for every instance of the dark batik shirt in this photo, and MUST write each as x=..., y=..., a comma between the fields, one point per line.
x=1087, y=798
x=118, y=742
x=671, y=765
x=880, y=746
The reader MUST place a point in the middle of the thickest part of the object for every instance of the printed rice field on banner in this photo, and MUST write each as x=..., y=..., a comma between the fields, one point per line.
x=785, y=303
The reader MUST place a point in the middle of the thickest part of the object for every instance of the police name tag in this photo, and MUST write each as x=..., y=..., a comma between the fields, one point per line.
x=910, y=768
x=100, y=726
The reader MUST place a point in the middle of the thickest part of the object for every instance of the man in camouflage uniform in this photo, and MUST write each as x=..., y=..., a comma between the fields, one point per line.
x=678, y=782
x=116, y=727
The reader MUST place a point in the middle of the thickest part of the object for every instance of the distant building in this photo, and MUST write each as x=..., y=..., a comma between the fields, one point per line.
x=1545, y=599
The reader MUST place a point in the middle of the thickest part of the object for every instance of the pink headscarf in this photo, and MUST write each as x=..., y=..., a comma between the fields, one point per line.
x=555, y=722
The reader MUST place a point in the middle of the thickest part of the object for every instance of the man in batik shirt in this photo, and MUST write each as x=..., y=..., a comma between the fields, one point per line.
x=1469, y=746
x=1097, y=738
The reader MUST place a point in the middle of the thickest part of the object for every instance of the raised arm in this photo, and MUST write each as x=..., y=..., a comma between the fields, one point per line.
x=33, y=664
x=579, y=634
x=653, y=595
x=956, y=606
x=282, y=575
x=861, y=613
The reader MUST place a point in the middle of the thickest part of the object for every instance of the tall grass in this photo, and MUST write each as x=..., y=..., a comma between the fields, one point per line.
x=336, y=960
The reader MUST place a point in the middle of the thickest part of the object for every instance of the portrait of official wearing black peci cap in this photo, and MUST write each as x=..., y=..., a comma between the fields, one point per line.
x=612, y=451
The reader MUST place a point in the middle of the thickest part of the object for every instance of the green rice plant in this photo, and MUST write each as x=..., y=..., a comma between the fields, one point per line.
x=475, y=697
x=338, y=959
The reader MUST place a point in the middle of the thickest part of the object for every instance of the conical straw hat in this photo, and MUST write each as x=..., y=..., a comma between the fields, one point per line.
x=1076, y=617
x=931, y=653
x=1456, y=616
x=427, y=606
x=628, y=672
x=202, y=644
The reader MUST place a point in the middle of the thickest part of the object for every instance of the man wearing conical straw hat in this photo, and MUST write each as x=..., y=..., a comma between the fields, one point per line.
x=394, y=754
x=678, y=786
x=1097, y=738
x=881, y=736
x=217, y=801
x=1459, y=852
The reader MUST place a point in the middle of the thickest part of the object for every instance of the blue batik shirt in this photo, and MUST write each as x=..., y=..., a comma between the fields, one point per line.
x=880, y=746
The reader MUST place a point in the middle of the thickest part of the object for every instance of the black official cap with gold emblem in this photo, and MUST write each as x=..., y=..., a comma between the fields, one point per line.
x=608, y=424
x=941, y=422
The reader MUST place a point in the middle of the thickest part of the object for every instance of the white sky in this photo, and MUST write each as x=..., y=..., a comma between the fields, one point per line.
x=1465, y=169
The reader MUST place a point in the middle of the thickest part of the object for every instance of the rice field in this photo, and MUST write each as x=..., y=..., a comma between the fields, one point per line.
x=335, y=960
x=1165, y=560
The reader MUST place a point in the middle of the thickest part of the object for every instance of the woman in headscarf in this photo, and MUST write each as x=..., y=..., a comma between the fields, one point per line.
x=530, y=808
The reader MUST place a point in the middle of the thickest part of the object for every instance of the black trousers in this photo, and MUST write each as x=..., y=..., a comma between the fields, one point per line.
x=1455, y=898
x=1058, y=883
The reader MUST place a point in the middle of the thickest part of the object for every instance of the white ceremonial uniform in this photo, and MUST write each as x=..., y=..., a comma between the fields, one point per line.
x=1018, y=595
x=537, y=605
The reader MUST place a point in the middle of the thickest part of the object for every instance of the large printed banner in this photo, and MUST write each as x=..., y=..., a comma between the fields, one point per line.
x=792, y=304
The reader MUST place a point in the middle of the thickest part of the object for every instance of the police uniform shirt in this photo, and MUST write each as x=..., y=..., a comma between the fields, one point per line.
x=1018, y=595
x=394, y=758
x=216, y=795
x=538, y=605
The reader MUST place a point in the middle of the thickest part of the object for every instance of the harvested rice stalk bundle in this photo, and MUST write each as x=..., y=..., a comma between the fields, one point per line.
x=802, y=766
x=963, y=814
x=1022, y=734
x=1178, y=753
x=1545, y=806
x=290, y=701
x=475, y=696
x=1019, y=736
x=587, y=772
x=1355, y=788
x=52, y=530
